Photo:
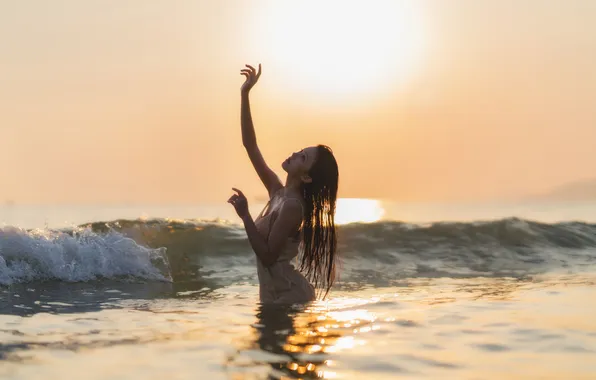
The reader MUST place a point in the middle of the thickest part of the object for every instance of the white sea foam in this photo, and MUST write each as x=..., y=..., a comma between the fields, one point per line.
x=81, y=255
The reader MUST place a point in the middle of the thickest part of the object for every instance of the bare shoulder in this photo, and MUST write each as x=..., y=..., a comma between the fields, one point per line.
x=275, y=187
x=291, y=210
x=276, y=191
x=287, y=220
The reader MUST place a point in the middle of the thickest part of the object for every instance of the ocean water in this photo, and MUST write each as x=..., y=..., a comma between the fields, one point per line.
x=457, y=291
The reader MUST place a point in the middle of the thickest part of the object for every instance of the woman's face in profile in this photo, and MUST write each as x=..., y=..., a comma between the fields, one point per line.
x=299, y=163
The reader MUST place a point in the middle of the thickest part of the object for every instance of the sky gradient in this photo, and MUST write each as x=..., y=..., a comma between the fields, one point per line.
x=126, y=101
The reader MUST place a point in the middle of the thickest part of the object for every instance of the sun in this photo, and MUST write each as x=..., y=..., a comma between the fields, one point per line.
x=333, y=47
x=358, y=210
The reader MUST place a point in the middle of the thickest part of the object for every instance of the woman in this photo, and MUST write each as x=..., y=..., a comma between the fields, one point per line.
x=299, y=214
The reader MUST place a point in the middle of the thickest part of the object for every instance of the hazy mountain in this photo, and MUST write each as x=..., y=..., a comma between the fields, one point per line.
x=584, y=190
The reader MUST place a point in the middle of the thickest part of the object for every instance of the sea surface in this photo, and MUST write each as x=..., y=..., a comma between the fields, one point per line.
x=449, y=291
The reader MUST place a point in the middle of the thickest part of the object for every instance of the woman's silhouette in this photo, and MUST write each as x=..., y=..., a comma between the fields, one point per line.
x=300, y=215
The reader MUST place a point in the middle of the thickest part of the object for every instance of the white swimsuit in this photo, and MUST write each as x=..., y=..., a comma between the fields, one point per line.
x=281, y=282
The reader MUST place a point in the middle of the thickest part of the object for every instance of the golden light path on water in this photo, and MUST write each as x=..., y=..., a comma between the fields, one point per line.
x=406, y=331
x=489, y=328
x=324, y=329
x=353, y=210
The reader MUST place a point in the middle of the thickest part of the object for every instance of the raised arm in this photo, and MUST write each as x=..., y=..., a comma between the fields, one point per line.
x=249, y=138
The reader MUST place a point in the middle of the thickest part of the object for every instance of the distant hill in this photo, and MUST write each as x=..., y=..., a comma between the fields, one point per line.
x=575, y=191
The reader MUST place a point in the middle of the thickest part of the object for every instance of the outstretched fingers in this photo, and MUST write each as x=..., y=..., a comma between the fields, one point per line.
x=250, y=77
x=250, y=72
x=239, y=193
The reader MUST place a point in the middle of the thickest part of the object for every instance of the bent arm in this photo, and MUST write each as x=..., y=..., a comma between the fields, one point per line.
x=286, y=223
x=249, y=140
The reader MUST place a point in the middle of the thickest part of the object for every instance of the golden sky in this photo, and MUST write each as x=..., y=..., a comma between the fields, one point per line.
x=138, y=101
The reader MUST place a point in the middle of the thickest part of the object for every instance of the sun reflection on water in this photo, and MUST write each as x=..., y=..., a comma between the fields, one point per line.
x=303, y=342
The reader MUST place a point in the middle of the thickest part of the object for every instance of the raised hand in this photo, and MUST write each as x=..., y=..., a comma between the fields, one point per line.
x=240, y=203
x=252, y=76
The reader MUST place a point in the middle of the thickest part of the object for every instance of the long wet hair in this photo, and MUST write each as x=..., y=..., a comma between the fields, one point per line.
x=319, y=238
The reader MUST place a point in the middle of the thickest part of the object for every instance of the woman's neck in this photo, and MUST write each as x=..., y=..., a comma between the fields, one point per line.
x=293, y=187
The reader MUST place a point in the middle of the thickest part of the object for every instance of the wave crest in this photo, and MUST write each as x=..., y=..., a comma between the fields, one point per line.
x=76, y=255
x=370, y=253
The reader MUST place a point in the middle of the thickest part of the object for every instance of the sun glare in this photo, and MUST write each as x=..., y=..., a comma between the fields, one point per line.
x=332, y=47
x=352, y=210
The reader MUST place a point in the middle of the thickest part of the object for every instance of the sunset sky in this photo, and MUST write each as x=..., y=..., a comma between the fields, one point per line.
x=138, y=101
